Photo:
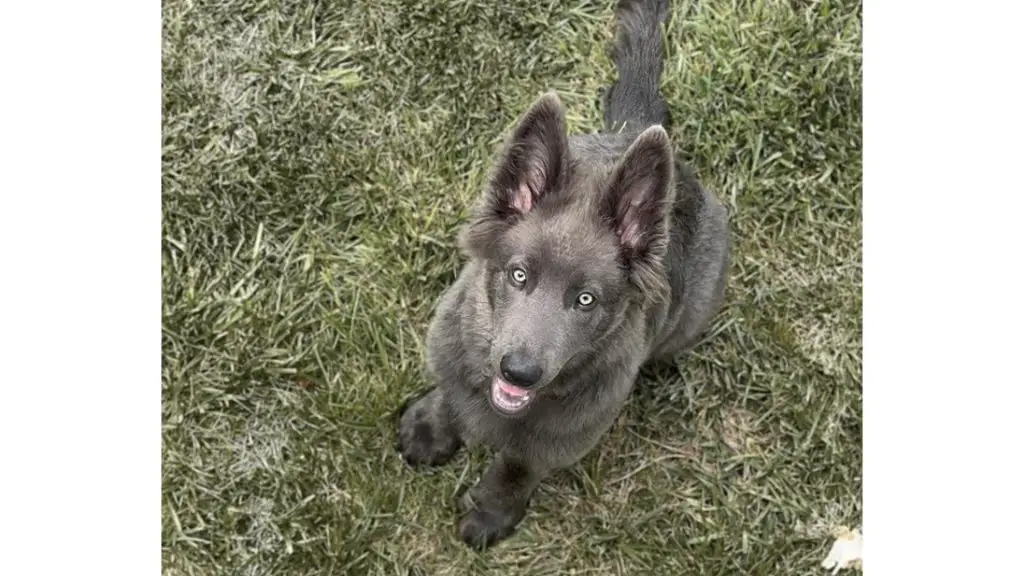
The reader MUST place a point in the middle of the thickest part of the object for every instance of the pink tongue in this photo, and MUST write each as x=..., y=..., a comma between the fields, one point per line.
x=512, y=390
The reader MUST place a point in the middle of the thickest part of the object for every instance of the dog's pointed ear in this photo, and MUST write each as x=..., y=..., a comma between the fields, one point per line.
x=532, y=160
x=528, y=168
x=639, y=197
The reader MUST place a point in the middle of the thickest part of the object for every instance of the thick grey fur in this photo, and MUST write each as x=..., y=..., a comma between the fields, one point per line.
x=616, y=214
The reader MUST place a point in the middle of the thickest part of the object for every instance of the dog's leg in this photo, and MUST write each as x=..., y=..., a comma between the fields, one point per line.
x=426, y=433
x=492, y=509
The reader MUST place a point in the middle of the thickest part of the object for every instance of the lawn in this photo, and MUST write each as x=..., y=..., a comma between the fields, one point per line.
x=318, y=160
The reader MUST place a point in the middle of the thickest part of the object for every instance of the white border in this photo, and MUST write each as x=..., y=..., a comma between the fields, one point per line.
x=942, y=317
x=80, y=291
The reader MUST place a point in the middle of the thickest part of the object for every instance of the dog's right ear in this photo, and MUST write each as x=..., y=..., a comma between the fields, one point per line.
x=528, y=168
x=532, y=160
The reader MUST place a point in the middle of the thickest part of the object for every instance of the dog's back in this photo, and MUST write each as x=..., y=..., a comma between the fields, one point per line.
x=698, y=255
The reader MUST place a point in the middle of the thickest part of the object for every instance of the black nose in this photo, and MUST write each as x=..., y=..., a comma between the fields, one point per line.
x=520, y=370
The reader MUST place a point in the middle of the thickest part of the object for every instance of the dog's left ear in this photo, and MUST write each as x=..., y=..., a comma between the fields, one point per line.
x=639, y=197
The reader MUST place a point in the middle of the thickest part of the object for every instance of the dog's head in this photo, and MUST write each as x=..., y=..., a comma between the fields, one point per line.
x=568, y=247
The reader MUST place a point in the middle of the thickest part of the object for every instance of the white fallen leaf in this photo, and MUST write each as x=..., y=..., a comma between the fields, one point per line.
x=846, y=550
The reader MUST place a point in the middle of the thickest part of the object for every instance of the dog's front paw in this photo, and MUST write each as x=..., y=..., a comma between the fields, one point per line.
x=487, y=521
x=425, y=435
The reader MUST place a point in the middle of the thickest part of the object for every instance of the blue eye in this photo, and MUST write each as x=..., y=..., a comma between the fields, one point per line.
x=585, y=300
x=518, y=276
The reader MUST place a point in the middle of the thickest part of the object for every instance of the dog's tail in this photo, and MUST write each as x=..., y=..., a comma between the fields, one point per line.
x=634, y=101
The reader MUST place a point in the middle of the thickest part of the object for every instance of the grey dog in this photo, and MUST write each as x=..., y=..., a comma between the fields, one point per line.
x=588, y=256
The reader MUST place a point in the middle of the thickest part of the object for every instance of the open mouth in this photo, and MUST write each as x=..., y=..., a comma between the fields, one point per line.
x=509, y=398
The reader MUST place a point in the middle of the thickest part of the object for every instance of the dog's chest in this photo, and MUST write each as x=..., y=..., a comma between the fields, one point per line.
x=541, y=435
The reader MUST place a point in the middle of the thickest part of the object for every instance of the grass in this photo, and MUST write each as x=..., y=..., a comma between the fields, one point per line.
x=318, y=159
